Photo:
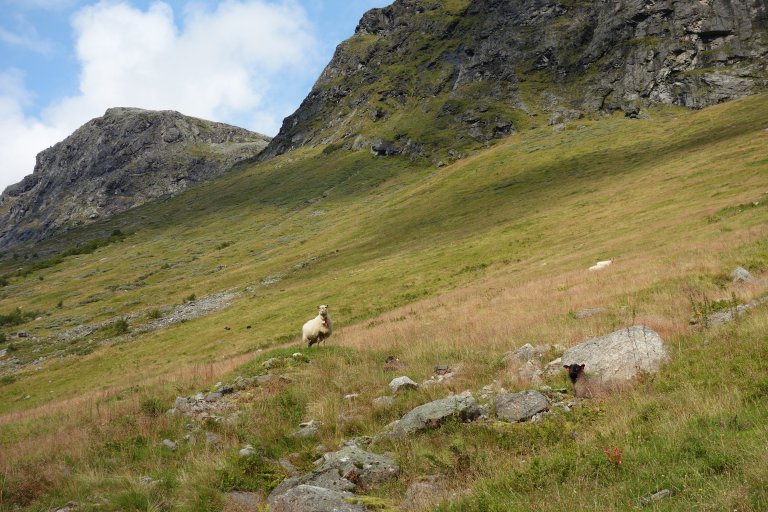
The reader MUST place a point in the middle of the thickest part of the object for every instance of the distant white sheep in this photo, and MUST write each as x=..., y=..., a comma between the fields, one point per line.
x=600, y=265
x=317, y=329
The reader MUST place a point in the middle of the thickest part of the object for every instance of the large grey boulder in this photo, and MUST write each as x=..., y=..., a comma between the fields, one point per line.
x=345, y=470
x=433, y=414
x=310, y=498
x=521, y=406
x=620, y=356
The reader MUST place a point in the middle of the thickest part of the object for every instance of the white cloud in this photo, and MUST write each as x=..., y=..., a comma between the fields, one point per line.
x=217, y=64
x=21, y=138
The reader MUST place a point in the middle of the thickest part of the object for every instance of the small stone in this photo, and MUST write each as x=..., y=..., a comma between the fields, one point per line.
x=401, y=383
x=307, y=429
x=383, y=402
x=171, y=445
x=69, y=507
x=741, y=275
x=442, y=369
x=658, y=496
x=351, y=396
x=147, y=480
x=247, y=451
x=212, y=439
x=271, y=363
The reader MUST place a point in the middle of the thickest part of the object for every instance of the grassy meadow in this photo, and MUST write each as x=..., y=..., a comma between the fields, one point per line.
x=456, y=265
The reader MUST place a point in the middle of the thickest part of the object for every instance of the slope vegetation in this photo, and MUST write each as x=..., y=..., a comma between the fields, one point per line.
x=452, y=264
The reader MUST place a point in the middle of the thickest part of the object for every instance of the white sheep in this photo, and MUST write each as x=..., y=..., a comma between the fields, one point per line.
x=317, y=329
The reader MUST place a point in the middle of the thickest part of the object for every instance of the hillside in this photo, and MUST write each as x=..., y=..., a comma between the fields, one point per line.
x=453, y=265
x=114, y=163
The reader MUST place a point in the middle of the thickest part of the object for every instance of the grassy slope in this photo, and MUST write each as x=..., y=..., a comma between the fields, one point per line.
x=499, y=240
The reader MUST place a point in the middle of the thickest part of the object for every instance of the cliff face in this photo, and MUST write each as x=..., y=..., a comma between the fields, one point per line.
x=116, y=162
x=480, y=69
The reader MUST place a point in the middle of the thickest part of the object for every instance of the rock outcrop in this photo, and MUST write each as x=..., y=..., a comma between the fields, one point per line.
x=116, y=162
x=621, y=356
x=475, y=70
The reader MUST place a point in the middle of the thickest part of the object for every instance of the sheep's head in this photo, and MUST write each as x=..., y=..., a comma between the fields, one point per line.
x=323, y=310
x=574, y=370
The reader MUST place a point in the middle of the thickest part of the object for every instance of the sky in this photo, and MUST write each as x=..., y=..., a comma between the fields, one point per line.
x=245, y=62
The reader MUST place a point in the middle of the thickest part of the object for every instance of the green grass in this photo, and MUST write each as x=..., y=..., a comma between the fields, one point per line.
x=391, y=244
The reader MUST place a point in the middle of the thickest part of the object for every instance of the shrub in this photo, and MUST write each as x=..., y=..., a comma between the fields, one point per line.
x=16, y=317
x=152, y=406
x=191, y=298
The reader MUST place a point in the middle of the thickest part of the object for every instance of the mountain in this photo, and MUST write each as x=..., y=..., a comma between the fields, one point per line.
x=116, y=162
x=163, y=369
x=426, y=77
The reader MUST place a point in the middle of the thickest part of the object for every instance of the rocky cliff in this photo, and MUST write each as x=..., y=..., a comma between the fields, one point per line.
x=420, y=74
x=116, y=162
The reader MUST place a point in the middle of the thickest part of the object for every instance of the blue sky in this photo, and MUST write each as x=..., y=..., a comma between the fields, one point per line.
x=245, y=62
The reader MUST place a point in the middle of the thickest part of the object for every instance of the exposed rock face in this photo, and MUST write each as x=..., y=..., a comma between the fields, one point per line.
x=478, y=68
x=116, y=162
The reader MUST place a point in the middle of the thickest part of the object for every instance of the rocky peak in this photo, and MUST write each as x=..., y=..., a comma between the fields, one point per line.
x=430, y=77
x=116, y=162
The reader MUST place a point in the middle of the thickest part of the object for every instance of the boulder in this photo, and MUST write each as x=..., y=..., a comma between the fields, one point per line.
x=345, y=470
x=620, y=356
x=402, y=383
x=311, y=498
x=741, y=275
x=520, y=406
x=433, y=414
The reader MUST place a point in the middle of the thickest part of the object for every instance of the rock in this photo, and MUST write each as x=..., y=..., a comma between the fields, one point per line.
x=307, y=429
x=442, y=369
x=620, y=356
x=432, y=415
x=519, y=355
x=171, y=445
x=520, y=406
x=658, y=496
x=587, y=313
x=383, y=402
x=393, y=364
x=600, y=265
x=298, y=356
x=225, y=389
x=741, y=275
x=213, y=397
x=530, y=372
x=147, y=480
x=310, y=498
x=553, y=367
x=402, y=383
x=69, y=507
x=247, y=451
x=352, y=396
x=345, y=470
x=181, y=404
x=272, y=362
